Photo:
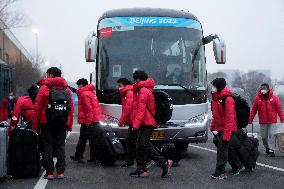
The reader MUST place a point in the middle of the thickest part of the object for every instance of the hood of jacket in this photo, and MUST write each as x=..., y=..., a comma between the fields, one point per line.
x=149, y=83
x=125, y=89
x=89, y=87
x=54, y=82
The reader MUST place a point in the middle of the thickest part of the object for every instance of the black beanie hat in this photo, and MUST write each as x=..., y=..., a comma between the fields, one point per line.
x=265, y=85
x=219, y=83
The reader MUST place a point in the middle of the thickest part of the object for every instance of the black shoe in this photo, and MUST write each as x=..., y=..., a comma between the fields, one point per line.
x=267, y=151
x=219, y=176
x=139, y=173
x=92, y=160
x=271, y=154
x=76, y=158
x=166, y=168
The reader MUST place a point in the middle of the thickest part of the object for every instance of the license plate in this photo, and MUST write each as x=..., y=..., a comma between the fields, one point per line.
x=158, y=134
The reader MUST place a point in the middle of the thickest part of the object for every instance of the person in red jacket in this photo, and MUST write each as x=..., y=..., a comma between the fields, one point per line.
x=53, y=127
x=268, y=107
x=224, y=121
x=126, y=95
x=89, y=115
x=7, y=107
x=25, y=108
x=144, y=108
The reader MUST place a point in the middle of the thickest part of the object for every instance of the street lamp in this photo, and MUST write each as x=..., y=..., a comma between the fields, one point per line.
x=36, y=32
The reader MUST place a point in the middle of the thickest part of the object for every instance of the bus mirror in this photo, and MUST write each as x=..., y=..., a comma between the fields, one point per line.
x=219, y=48
x=91, y=44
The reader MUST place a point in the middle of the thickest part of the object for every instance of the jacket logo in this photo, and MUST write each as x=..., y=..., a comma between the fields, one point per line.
x=60, y=107
x=115, y=141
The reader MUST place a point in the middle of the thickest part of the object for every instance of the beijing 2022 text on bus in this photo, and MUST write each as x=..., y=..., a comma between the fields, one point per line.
x=169, y=45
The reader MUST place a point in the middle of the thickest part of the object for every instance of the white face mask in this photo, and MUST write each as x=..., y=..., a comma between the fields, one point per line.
x=263, y=91
x=214, y=89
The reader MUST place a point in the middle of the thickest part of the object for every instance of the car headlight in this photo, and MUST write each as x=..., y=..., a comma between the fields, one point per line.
x=199, y=120
x=109, y=120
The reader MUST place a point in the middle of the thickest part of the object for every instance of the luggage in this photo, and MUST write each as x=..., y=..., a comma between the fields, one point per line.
x=233, y=159
x=107, y=146
x=280, y=141
x=3, y=152
x=170, y=152
x=246, y=148
x=24, y=156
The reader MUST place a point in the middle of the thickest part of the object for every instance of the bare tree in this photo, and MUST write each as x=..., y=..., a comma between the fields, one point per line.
x=10, y=17
x=251, y=82
x=212, y=76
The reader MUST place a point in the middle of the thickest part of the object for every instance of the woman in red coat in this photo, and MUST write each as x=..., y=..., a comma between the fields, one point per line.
x=126, y=95
x=144, y=108
x=268, y=107
x=89, y=115
x=7, y=107
x=224, y=121
x=25, y=108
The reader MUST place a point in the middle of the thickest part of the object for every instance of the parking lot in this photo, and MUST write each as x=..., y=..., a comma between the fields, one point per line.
x=193, y=171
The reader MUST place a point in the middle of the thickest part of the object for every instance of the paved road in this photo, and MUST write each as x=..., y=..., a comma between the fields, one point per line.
x=193, y=172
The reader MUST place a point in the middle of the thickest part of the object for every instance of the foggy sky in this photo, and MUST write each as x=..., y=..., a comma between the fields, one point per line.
x=253, y=30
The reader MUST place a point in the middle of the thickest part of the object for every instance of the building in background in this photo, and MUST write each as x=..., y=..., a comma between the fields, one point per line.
x=11, y=53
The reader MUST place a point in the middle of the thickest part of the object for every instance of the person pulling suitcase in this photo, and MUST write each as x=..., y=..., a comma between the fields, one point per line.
x=224, y=122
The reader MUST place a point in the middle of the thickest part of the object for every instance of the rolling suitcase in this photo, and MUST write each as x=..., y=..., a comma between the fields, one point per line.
x=246, y=149
x=3, y=152
x=24, y=156
x=108, y=147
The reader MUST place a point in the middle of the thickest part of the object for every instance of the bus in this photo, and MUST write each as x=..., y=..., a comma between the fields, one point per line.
x=170, y=47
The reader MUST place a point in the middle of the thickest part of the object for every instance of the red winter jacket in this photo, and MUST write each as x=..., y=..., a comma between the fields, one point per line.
x=143, y=104
x=25, y=107
x=267, y=109
x=224, y=118
x=4, y=112
x=89, y=109
x=126, y=94
x=41, y=101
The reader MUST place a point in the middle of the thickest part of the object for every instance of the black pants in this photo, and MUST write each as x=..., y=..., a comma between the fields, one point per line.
x=226, y=153
x=144, y=148
x=130, y=151
x=53, y=139
x=87, y=133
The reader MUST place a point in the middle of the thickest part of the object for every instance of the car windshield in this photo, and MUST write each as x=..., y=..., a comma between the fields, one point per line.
x=171, y=55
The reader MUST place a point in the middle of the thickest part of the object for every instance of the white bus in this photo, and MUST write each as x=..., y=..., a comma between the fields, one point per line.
x=169, y=45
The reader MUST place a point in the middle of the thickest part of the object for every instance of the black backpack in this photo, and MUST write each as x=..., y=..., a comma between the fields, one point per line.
x=242, y=110
x=164, y=107
x=58, y=106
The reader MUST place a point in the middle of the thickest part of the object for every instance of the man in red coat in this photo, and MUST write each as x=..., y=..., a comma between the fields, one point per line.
x=268, y=107
x=7, y=107
x=25, y=108
x=89, y=115
x=144, y=108
x=126, y=95
x=224, y=121
x=53, y=118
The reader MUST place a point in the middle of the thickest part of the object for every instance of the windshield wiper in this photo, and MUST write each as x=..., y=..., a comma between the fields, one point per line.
x=186, y=89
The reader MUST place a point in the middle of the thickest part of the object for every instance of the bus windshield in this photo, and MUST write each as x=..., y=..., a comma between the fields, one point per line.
x=170, y=55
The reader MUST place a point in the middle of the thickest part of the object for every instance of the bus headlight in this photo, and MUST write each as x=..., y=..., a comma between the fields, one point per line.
x=199, y=120
x=109, y=120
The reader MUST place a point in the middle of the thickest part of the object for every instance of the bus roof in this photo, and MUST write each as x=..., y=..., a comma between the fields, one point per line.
x=151, y=12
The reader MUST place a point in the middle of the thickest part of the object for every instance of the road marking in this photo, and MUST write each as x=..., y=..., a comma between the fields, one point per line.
x=257, y=163
x=41, y=183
